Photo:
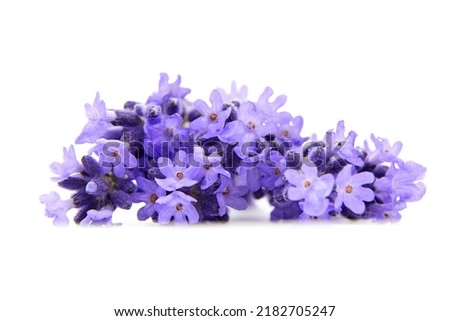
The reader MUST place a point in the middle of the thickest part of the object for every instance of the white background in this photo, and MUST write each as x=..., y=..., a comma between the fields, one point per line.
x=382, y=66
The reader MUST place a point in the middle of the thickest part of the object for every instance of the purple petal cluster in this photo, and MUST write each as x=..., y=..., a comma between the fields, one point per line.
x=180, y=161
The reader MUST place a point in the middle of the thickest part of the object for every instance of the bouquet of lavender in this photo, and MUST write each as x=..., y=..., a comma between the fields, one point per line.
x=189, y=162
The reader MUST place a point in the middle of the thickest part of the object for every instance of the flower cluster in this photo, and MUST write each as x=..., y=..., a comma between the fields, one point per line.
x=190, y=162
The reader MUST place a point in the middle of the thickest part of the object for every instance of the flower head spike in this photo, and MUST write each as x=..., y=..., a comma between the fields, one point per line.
x=350, y=190
x=213, y=118
x=99, y=121
x=178, y=206
x=190, y=162
x=70, y=165
x=56, y=208
x=309, y=188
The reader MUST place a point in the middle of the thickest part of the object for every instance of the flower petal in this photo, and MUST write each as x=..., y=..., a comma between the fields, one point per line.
x=296, y=193
x=362, y=178
x=364, y=194
x=355, y=205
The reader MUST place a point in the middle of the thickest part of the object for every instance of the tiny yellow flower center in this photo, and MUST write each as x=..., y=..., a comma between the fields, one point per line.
x=251, y=125
x=307, y=184
x=277, y=171
x=153, y=198
x=180, y=175
x=180, y=207
x=213, y=117
x=348, y=189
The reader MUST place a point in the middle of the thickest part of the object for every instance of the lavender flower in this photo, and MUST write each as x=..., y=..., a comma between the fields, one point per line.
x=235, y=97
x=176, y=176
x=383, y=152
x=350, y=190
x=99, y=121
x=210, y=167
x=402, y=183
x=230, y=195
x=167, y=90
x=289, y=131
x=98, y=217
x=213, y=118
x=312, y=190
x=149, y=193
x=250, y=126
x=159, y=136
x=177, y=206
x=346, y=145
x=272, y=170
x=56, y=208
x=270, y=109
x=186, y=162
x=69, y=166
x=114, y=156
x=169, y=96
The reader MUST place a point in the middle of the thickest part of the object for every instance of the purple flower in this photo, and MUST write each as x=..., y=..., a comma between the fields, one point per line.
x=310, y=189
x=383, y=152
x=56, y=208
x=99, y=121
x=401, y=183
x=114, y=155
x=287, y=211
x=235, y=97
x=350, y=190
x=176, y=176
x=159, y=135
x=149, y=193
x=386, y=212
x=189, y=162
x=213, y=118
x=230, y=195
x=70, y=165
x=167, y=90
x=272, y=169
x=346, y=145
x=178, y=206
x=289, y=131
x=98, y=217
x=270, y=109
x=250, y=126
x=210, y=167
x=248, y=172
